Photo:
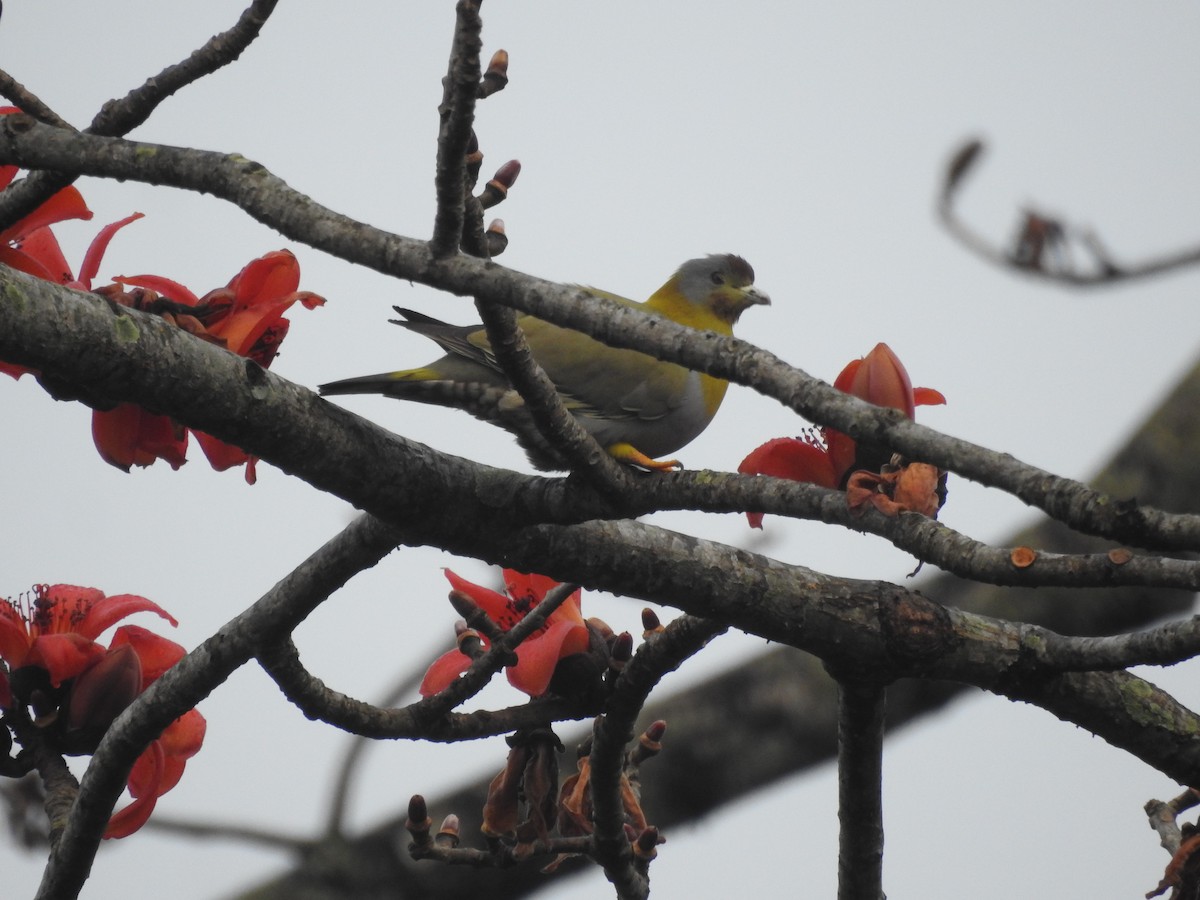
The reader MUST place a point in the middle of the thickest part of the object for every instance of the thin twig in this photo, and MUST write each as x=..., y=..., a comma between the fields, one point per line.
x=563, y=433
x=119, y=117
x=231, y=831
x=461, y=87
x=28, y=102
x=1164, y=818
x=428, y=718
x=1104, y=272
x=663, y=653
x=348, y=769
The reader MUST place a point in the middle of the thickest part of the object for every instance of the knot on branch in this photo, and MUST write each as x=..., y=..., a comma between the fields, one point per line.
x=916, y=631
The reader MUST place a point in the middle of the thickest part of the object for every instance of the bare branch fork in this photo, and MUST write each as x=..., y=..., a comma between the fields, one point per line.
x=1042, y=245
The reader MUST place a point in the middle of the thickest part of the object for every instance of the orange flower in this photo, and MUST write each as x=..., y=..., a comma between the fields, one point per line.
x=28, y=245
x=76, y=687
x=828, y=458
x=245, y=317
x=564, y=633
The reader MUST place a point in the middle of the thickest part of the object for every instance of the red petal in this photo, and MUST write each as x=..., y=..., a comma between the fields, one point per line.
x=14, y=635
x=497, y=606
x=113, y=609
x=95, y=251
x=309, y=300
x=12, y=369
x=43, y=247
x=127, y=436
x=221, y=456
x=5, y=691
x=924, y=396
x=538, y=656
x=444, y=670
x=66, y=204
x=155, y=652
x=519, y=585
x=63, y=655
x=144, y=779
x=791, y=458
x=164, y=287
x=183, y=738
x=842, y=452
x=268, y=278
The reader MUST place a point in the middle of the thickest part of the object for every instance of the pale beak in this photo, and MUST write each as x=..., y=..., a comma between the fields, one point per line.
x=756, y=296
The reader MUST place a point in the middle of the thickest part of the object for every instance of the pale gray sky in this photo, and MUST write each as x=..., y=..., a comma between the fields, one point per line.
x=808, y=137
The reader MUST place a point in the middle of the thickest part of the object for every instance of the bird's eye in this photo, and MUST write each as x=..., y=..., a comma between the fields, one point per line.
x=717, y=278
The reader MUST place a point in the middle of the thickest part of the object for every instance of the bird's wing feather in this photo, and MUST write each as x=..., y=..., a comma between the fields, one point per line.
x=594, y=379
x=602, y=381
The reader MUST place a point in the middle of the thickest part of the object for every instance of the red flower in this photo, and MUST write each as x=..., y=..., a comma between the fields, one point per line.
x=77, y=687
x=245, y=317
x=28, y=245
x=22, y=243
x=564, y=633
x=879, y=378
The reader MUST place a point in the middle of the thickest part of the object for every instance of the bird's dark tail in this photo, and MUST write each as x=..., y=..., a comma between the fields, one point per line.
x=392, y=383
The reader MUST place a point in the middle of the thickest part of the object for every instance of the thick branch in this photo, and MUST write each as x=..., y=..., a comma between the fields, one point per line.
x=1064, y=499
x=860, y=791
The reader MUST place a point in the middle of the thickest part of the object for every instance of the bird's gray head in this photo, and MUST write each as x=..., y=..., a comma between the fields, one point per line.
x=722, y=282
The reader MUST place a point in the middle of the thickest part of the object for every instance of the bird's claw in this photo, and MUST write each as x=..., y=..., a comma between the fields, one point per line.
x=629, y=454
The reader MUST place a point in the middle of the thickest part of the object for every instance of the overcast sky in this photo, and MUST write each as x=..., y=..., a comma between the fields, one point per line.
x=807, y=137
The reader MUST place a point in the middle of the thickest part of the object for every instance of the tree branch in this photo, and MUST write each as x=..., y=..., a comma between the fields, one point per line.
x=1041, y=247
x=119, y=117
x=860, y=790
x=24, y=141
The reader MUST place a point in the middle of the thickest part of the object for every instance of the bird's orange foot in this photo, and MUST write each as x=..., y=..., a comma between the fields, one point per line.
x=627, y=453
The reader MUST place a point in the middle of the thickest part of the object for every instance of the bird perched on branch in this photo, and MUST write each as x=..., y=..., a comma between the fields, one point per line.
x=637, y=407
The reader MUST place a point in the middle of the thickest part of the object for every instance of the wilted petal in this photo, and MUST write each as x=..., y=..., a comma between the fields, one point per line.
x=101, y=693
x=500, y=810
